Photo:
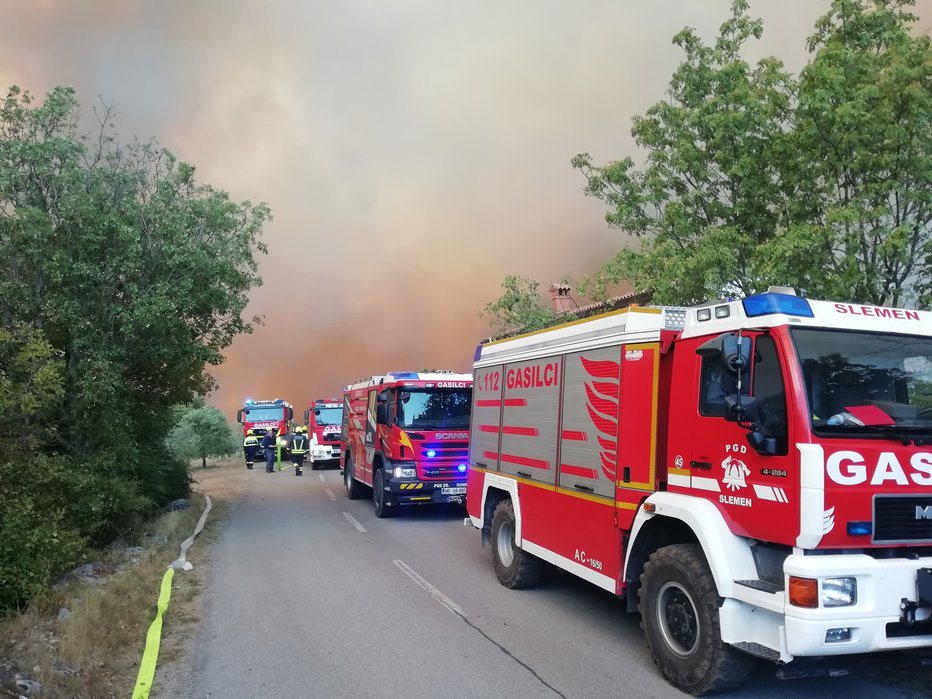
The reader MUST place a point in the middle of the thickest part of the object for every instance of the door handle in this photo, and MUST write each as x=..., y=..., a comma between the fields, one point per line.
x=584, y=488
x=701, y=465
x=523, y=473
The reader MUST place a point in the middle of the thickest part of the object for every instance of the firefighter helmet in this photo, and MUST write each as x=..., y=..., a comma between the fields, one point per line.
x=300, y=429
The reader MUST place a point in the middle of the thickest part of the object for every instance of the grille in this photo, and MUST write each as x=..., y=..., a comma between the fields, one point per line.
x=895, y=518
x=442, y=471
x=445, y=450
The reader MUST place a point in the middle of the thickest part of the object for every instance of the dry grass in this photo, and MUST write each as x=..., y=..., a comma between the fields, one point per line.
x=96, y=652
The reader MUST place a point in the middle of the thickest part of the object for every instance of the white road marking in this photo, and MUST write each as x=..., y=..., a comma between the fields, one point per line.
x=352, y=520
x=332, y=496
x=434, y=592
x=322, y=479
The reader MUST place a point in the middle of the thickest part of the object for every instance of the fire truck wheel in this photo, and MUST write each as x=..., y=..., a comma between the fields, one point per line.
x=353, y=487
x=381, y=499
x=514, y=567
x=679, y=606
x=314, y=465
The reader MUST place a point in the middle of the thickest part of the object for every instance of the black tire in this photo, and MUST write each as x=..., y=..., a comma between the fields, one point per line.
x=514, y=567
x=314, y=466
x=354, y=488
x=384, y=507
x=679, y=606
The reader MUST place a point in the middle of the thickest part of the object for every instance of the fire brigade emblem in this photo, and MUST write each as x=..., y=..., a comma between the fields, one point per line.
x=602, y=405
x=735, y=473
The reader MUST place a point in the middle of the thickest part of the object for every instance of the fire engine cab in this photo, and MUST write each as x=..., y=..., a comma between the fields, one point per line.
x=324, y=429
x=406, y=437
x=753, y=476
x=262, y=415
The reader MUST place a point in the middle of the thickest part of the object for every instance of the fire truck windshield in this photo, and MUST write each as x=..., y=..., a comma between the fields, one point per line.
x=849, y=375
x=328, y=416
x=265, y=414
x=434, y=409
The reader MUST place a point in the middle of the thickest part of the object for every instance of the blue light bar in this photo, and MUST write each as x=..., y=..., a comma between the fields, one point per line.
x=249, y=401
x=404, y=374
x=461, y=468
x=431, y=453
x=768, y=304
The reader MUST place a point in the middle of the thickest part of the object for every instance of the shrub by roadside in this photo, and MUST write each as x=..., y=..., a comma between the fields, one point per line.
x=85, y=638
x=56, y=509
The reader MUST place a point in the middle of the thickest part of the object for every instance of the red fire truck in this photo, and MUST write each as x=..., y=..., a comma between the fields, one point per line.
x=324, y=429
x=406, y=436
x=263, y=415
x=753, y=476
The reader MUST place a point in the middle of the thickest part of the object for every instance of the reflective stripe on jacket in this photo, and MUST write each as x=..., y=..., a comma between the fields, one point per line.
x=299, y=444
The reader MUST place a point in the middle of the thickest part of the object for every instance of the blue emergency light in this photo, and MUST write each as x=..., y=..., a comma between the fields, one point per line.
x=404, y=374
x=771, y=303
x=461, y=468
x=249, y=401
x=431, y=453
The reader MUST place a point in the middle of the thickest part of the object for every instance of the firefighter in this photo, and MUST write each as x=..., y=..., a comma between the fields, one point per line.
x=250, y=447
x=299, y=448
x=268, y=444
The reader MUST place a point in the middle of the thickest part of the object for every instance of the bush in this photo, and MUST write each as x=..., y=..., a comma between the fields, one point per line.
x=54, y=508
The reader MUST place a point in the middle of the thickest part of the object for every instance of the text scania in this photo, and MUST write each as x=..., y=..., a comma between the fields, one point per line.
x=535, y=376
x=849, y=468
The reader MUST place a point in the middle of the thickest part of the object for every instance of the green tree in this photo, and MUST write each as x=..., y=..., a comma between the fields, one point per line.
x=135, y=272
x=202, y=432
x=754, y=177
x=122, y=279
x=859, y=213
x=520, y=308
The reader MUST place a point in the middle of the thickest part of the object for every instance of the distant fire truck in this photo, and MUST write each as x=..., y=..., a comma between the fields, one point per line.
x=324, y=429
x=406, y=436
x=753, y=476
x=263, y=415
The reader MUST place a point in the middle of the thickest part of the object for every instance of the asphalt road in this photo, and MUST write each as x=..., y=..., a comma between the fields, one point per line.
x=310, y=595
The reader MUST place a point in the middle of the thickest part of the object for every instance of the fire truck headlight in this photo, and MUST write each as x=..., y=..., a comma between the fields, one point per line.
x=401, y=472
x=839, y=592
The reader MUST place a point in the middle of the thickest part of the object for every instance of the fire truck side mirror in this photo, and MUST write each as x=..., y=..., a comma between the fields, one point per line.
x=744, y=410
x=307, y=416
x=736, y=354
x=239, y=415
x=290, y=414
x=381, y=413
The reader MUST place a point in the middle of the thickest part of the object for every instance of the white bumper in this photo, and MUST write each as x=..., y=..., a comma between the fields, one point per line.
x=324, y=452
x=882, y=584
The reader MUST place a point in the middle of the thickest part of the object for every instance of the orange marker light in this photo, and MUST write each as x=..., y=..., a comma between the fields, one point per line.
x=649, y=507
x=804, y=592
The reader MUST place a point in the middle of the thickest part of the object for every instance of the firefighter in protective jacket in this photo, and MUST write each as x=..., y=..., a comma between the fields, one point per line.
x=299, y=448
x=250, y=448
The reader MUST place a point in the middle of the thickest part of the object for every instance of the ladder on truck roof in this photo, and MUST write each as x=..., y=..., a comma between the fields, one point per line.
x=628, y=325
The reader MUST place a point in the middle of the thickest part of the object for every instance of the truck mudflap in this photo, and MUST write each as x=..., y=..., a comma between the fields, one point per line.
x=426, y=492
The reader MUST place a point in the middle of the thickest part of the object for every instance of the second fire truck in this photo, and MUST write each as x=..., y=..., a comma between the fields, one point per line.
x=754, y=477
x=406, y=437
x=324, y=429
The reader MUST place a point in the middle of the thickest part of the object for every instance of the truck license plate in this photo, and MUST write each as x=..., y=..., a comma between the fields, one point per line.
x=459, y=490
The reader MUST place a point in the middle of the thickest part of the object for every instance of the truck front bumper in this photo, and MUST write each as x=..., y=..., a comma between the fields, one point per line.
x=324, y=452
x=893, y=609
x=415, y=492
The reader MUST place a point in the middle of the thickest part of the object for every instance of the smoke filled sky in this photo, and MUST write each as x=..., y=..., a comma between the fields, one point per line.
x=413, y=152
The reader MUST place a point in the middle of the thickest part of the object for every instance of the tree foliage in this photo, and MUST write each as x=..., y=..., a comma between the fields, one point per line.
x=202, y=433
x=122, y=279
x=520, y=308
x=755, y=177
